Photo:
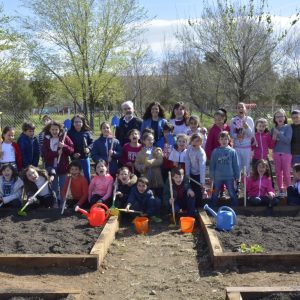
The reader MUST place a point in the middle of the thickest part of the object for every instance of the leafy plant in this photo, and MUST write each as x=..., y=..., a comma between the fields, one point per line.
x=244, y=248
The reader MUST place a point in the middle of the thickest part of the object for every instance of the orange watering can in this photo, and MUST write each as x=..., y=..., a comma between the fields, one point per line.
x=98, y=214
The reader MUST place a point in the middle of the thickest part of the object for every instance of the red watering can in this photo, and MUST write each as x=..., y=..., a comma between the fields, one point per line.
x=98, y=214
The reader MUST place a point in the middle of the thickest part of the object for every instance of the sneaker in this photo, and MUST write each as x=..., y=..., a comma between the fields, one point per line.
x=156, y=219
x=282, y=194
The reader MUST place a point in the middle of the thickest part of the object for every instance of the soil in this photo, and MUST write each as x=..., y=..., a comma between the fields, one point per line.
x=282, y=296
x=164, y=264
x=46, y=231
x=281, y=233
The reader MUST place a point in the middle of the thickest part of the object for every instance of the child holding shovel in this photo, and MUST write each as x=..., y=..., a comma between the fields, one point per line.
x=141, y=198
x=183, y=195
x=78, y=191
x=11, y=187
x=34, y=178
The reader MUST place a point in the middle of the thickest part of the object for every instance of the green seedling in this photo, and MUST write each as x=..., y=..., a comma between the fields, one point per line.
x=251, y=248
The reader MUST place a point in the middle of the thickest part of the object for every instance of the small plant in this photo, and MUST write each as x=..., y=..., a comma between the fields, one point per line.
x=244, y=248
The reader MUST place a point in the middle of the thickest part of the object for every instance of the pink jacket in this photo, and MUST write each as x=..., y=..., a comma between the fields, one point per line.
x=101, y=185
x=212, y=141
x=261, y=187
x=264, y=143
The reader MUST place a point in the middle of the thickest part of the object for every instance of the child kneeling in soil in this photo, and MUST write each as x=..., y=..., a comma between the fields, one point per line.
x=141, y=198
x=293, y=191
x=259, y=186
x=125, y=181
x=34, y=178
x=78, y=191
x=184, y=196
x=10, y=187
x=224, y=169
x=100, y=188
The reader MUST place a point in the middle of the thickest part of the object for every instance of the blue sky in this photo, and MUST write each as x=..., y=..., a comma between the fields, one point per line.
x=165, y=14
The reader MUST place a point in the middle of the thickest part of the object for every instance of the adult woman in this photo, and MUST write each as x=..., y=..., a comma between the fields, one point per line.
x=154, y=118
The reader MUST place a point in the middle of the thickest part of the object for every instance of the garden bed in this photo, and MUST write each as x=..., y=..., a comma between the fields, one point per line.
x=278, y=236
x=263, y=293
x=45, y=238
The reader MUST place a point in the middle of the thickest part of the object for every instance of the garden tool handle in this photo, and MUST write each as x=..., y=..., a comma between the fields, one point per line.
x=172, y=197
x=40, y=189
x=63, y=140
x=67, y=192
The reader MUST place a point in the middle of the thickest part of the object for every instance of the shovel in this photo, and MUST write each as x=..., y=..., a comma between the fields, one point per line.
x=171, y=193
x=130, y=211
x=114, y=210
x=22, y=212
x=65, y=200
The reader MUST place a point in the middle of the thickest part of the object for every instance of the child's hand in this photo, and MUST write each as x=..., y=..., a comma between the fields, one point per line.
x=191, y=193
x=148, y=162
x=76, y=155
x=271, y=194
x=204, y=194
x=86, y=150
x=127, y=207
x=51, y=178
x=110, y=153
x=120, y=194
x=61, y=144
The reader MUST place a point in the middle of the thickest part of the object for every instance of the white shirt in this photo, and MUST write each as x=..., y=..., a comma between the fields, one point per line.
x=8, y=153
x=40, y=181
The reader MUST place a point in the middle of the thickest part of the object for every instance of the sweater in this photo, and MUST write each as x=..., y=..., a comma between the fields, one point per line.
x=195, y=163
x=30, y=150
x=236, y=126
x=283, y=140
x=224, y=164
x=264, y=143
x=81, y=140
x=129, y=153
x=101, y=185
x=79, y=189
x=16, y=192
x=100, y=151
x=212, y=141
x=124, y=127
x=260, y=187
x=50, y=156
x=18, y=156
x=295, y=142
x=147, y=124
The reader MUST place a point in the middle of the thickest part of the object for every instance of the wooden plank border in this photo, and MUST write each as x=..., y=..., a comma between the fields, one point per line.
x=46, y=294
x=236, y=293
x=222, y=259
x=92, y=260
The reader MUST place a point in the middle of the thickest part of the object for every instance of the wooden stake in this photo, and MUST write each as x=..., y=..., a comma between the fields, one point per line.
x=245, y=186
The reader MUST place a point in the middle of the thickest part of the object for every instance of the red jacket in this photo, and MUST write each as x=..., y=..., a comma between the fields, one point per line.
x=212, y=141
x=264, y=143
x=50, y=155
x=18, y=154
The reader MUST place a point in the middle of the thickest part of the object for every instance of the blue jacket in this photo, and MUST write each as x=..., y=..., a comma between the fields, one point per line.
x=30, y=150
x=224, y=164
x=147, y=124
x=142, y=199
x=100, y=150
x=79, y=138
x=161, y=142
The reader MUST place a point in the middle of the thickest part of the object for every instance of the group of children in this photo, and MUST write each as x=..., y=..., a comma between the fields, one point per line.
x=137, y=172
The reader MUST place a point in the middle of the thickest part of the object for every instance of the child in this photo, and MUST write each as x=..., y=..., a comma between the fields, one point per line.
x=148, y=162
x=178, y=153
x=57, y=147
x=293, y=191
x=80, y=135
x=125, y=181
x=29, y=145
x=107, y=148
x=10, y=151
x=100, y=188
x=184, y=196
x=195, y=164
x=141, y=198
x=179, y=118
x=10, y=187
x=282, y=157
x=194, y=124
x=212, y=142
x=166, y=143
x=295, y=142
x=131, y=149
x=34, y=178
x=46, y=120
x=224, y=169
x=259, y=186
x=78, y=188
x=242, y=131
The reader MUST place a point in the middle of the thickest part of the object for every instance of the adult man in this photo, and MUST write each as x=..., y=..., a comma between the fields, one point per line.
x=127, y=122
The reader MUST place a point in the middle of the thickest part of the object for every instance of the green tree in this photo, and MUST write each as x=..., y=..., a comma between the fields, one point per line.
x=85, y=39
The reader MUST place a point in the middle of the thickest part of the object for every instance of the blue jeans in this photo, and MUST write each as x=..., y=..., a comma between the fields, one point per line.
x=263, y=200
x=57, y=186
x=86, y=167
x=151, y=208
x=230, y=187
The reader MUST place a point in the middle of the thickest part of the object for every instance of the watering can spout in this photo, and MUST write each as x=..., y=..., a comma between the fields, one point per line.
x=84, y=212
x=206, y=207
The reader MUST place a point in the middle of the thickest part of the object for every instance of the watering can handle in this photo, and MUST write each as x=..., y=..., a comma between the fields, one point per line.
x=229, y=209
x=107, y=212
